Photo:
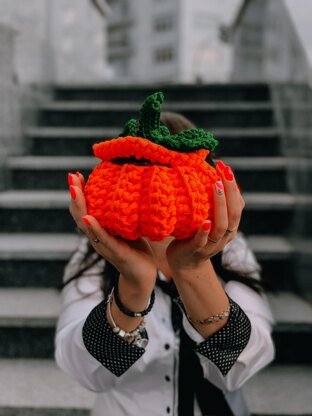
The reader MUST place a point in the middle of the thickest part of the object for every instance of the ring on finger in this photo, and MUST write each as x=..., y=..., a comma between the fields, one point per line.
x=229, y=231
x=213, y=241
x=96, y=240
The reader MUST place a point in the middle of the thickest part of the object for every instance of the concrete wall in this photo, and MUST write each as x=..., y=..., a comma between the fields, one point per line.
x=76, y=32
x=43, y=42
x=267, y=46
x=58, y=41
x=32, y=54
x=205, y=58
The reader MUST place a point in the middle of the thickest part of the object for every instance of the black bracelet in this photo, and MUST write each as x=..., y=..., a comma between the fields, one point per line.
x=126, y=311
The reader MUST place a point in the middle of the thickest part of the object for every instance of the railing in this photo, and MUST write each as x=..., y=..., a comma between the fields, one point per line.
x=18, y=103
x=282, y=39
x=10, y=115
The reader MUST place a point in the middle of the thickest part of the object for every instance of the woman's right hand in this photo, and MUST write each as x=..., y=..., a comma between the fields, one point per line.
x=133, y=259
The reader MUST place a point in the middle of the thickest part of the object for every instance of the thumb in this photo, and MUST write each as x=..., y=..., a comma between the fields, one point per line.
x=200, y=238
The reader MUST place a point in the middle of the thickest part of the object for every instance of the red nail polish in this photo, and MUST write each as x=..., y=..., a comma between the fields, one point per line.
x=239, y=188
x=221, y=165
x=70, y=179
x=207, y=226
x=72, y=192
x=219, y=188
x=228, y=173
x=78, y=175
x=86, y=221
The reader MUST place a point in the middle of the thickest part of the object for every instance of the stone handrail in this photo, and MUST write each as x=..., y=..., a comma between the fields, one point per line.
x=273, y=44
x=272, y=41
x=10, y=116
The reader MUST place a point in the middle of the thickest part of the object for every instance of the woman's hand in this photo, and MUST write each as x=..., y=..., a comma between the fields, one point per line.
x=192, y=254
x=133, y=259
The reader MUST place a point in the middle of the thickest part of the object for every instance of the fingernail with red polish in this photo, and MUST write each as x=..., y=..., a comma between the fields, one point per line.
x=72, y=192
x=70, y=179
x=86, y=221
x=207, y=226
x=228, y=173
x=219, y=188
x=78, y=174
x=221, y=165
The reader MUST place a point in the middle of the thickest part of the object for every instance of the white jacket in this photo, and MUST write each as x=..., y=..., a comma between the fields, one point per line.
x=147, y=379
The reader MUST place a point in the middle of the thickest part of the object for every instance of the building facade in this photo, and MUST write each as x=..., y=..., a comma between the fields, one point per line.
x=169, y=40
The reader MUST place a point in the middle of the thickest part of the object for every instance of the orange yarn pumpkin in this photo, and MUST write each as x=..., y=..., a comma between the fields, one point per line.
x=171, y=196
x=144, y=187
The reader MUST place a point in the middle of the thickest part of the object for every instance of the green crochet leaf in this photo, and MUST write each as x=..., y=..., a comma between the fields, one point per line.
x=130, y=128
x=149, y=127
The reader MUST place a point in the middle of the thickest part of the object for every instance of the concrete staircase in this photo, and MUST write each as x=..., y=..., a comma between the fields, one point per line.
x=38, y=235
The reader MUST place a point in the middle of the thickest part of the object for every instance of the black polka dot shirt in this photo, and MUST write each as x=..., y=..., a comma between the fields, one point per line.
x=117, y=355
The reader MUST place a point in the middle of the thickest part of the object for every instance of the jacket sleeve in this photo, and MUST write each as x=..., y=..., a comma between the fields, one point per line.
x=85, y=346
x=244, y=345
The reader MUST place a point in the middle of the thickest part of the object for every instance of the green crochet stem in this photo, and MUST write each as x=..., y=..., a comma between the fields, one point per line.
x=149, y=127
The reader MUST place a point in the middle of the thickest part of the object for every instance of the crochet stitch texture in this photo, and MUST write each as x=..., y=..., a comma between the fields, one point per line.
x=151, y=183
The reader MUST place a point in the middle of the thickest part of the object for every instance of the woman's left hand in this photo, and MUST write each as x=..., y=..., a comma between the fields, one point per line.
x=212, y=236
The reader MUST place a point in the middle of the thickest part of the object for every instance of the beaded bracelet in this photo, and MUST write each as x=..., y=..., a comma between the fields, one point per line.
x=126, y=311
x=133, y=337
x=211, y=319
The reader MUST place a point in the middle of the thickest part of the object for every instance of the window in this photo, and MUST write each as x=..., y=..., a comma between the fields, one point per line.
x=120, y=40
x=163, y=55
x=163, y=24
x=118, y=37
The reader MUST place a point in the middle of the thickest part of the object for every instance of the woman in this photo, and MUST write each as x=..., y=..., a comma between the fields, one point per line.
x=178, y=357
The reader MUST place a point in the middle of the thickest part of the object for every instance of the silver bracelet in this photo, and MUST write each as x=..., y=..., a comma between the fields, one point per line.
x=212, y=319
x=133, y=337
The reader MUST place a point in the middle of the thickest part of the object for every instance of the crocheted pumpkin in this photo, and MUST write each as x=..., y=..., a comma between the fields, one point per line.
x=151, y=183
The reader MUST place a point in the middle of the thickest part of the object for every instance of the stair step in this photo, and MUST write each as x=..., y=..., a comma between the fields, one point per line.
x=34, y=260
x=288, y=308
x=21, y=211
x=171, y=106
x=293, y=331
x=257, y=174
x=28, y=318
x=275, y=391
x=97, y=114
x=52, y=162
x=68, y=141
x=271, y=246
x=280, y=390
x=27, y=322
x=77, y=133
x=32, y=307
x=277, y=257
x=38, y=260
x=34, y=246
x=23, y=392
x=208, y=92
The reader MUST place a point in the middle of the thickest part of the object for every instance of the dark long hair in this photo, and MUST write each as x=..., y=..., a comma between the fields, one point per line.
x=176, y=123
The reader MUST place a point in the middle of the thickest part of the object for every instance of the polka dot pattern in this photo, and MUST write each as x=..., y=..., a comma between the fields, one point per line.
x=224, y=346
x=114, y=353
